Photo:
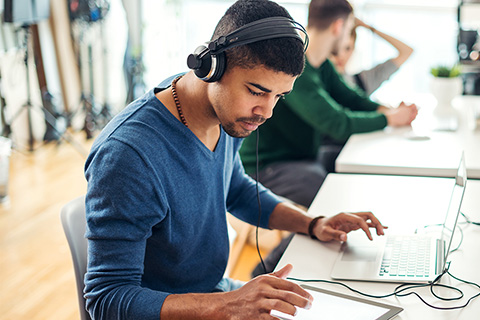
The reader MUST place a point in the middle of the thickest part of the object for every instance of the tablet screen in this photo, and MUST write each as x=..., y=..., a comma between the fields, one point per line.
x=331, y=305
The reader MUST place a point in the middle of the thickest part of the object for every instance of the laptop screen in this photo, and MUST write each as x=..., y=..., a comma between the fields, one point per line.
x=454, y=207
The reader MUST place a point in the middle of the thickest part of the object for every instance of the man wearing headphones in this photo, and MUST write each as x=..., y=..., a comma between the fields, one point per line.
x=163, y=173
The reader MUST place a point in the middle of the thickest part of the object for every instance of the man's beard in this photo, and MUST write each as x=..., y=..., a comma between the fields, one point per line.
x=230, y=127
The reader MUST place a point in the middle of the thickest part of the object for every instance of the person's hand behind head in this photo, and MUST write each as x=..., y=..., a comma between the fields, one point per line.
x=360, y=23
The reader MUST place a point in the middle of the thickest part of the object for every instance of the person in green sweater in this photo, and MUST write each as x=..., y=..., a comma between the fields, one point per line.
x=320, y=114
x=298, y=145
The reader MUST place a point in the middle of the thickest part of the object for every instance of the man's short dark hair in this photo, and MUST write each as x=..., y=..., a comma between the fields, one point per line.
x=322, y=13
x=280, y=54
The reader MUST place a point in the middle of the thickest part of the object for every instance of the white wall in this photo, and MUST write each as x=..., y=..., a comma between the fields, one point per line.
x=172, y=29
x=429, y=28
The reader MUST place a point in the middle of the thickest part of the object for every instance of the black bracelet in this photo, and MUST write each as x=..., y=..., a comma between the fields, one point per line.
x=312, y=225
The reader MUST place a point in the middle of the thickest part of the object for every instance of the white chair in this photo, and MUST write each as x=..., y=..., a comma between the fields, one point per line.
x=74, y=224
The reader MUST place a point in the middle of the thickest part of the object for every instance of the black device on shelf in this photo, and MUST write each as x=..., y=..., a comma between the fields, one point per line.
x=88, y=10
x=468, y=46
x=26, y=11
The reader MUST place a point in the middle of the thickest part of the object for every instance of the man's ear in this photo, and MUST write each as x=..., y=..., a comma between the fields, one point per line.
x=337, y=27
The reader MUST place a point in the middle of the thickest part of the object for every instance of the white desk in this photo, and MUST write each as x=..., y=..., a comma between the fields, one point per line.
x=402, y=203
x=392, y=151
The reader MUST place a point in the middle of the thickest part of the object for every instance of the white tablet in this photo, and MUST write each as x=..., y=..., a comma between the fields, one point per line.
x=329, y=305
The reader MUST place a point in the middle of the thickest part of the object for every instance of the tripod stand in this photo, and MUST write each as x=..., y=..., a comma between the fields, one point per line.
x=133, y=61
x=94, y=118
x=28, y=106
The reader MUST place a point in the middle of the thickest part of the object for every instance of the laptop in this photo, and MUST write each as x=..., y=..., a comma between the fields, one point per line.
x=403, y=258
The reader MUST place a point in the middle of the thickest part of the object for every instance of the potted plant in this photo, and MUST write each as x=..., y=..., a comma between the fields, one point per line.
x=446, y=84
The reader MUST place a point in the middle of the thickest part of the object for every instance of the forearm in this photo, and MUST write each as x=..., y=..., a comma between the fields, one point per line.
x=194, y=306
x=404, y=51
x=288, y=217
x=383, y=109
x=254, y=300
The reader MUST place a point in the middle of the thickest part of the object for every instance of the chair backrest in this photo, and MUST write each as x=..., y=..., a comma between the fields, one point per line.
x=74, y=224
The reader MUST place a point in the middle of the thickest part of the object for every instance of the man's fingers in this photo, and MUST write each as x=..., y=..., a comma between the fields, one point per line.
x=288, y=286
x=379, y=231
x=284, y=272
x=286, y=301
x=283, y=295
x=373, y=223
x=365, y=228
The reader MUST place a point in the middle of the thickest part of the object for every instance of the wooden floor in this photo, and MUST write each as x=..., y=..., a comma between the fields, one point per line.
x=36, y=272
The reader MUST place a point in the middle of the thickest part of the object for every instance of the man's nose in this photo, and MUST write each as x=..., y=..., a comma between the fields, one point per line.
x=266, y=109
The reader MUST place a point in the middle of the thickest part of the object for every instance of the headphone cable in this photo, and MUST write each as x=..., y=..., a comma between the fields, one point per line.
x=259, y=204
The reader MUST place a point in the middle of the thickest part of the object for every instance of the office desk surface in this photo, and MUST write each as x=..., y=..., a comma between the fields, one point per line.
x=404, y=204
x=416, y=150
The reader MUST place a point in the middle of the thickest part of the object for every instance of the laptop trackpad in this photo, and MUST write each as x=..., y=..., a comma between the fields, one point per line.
x=359, y=259
x=360, y=253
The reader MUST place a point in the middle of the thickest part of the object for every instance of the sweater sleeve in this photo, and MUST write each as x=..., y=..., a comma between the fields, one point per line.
x=331, y=107
x=349, y=97
x=119, y=222
x=373, y=78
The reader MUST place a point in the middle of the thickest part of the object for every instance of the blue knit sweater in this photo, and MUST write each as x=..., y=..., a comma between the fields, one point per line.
x=156, y=211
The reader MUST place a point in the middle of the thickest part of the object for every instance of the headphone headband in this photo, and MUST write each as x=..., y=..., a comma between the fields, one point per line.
x=263, y=29
x=209, y=61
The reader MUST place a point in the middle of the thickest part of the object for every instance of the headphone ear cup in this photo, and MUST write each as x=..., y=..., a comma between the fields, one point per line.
x=200, y=66
x=218, y=62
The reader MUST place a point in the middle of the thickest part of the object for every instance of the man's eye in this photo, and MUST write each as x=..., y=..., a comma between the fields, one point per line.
x=254, y=93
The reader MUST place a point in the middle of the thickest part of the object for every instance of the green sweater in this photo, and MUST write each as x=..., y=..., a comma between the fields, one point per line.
x=320, y=105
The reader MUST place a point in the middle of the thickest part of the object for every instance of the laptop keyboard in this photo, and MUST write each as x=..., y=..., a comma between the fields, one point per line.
x=406, y=256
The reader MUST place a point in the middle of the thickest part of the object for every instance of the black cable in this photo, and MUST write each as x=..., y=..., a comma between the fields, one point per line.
x=468, y=220
x=400, y=291
x=259, y=205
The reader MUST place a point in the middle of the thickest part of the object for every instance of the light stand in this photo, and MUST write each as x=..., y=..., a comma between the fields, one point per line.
x=6, y=129
x=86, y=99
x=27, y=13
x=105, y=112
x=49, y=118
x=133, y=61
x=87, y=13
x=28, y=104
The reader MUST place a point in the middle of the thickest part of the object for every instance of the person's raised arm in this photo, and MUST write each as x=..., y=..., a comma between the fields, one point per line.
x=404, y=51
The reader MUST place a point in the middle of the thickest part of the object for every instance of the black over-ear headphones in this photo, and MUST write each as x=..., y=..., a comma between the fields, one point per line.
x=208, y=61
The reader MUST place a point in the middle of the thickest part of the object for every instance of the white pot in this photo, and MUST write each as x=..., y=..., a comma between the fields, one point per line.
x=445, y=89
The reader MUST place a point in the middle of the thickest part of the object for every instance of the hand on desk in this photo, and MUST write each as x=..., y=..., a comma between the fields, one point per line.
x=264, y=293
x=254, y=300
x=337, y=227
x=403, y=115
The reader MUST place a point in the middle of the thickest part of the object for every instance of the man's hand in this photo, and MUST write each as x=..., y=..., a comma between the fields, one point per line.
x=403, y=115
x=337, y=227
x=254, y=300
x=264, y=293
